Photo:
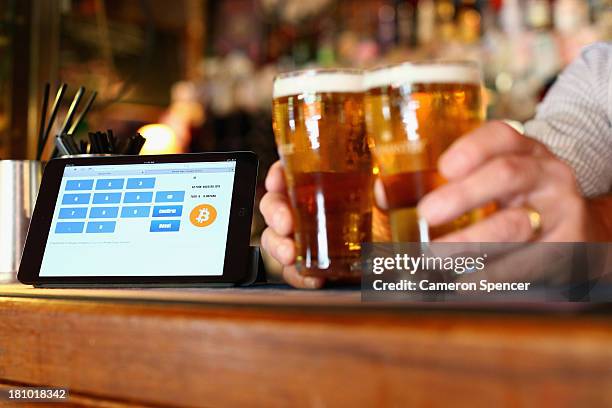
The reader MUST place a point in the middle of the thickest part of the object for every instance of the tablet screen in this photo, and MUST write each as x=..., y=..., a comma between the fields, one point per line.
x=163, y=219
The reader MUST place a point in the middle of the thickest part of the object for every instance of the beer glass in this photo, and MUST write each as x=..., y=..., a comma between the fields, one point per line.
x=319, y=127
x=414, y=112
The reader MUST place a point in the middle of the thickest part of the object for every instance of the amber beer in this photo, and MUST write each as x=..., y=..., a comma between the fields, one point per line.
x=414, y=112
x=319, y=126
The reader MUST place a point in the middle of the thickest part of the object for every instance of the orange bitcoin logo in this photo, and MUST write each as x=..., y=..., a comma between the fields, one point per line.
x=203, y=215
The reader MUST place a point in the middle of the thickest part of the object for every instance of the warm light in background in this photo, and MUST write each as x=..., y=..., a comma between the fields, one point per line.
x=161, y=139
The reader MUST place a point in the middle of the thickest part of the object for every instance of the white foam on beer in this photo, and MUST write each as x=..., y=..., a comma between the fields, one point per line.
x=317, y=82
x=404, y=74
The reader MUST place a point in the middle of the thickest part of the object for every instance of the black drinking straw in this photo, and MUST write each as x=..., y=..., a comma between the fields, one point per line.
x=61, y=145
x=54, y=109
x=112, y=140
x=83, y=113
x=43, y=118
x=72, y=110
x=140, y=141
x=83, y=145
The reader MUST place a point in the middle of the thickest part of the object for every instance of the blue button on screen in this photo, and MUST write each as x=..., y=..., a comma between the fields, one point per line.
x=135, y=212
x=107, y=198
x=79, y=185
x=109, y=184
x=103, y=212
x=138, y=197
x=169, y=196
x=72, y=212
x=167, y=211
x=145, y=182
x=69, y=227
x=100, y=227
x=165, y=225
x=82, y=198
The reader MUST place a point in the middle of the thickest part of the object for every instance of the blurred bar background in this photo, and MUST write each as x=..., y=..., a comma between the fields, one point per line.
x=200, y=72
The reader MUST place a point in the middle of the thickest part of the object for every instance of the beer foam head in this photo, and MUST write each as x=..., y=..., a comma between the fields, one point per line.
x=317, y=81
x=422, y=73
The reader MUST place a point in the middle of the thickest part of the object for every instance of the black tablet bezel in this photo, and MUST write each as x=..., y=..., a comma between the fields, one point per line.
x=236, y=265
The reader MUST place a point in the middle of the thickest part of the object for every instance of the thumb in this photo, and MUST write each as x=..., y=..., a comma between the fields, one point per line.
x=379, y=195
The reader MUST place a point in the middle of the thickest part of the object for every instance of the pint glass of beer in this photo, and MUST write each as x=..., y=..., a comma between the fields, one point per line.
x=319, y=126
x=414, y=111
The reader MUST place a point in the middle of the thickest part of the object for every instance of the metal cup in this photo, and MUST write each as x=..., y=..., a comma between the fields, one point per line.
x=19, y=182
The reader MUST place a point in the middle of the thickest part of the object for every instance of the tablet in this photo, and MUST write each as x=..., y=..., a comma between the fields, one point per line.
x=142, y=220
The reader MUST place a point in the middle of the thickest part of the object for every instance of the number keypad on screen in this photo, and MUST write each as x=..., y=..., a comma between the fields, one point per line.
x=96, y=206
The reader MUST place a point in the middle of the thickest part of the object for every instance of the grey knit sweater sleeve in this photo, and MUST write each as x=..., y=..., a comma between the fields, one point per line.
x=575, y=119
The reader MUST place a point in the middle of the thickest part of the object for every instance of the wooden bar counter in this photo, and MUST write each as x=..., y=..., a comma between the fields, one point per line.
x=282, y=347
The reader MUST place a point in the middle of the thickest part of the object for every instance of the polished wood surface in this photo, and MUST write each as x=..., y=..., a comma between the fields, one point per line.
x=285, y=347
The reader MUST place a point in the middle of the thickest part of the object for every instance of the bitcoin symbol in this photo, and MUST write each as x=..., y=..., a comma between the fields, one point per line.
x=203, y=215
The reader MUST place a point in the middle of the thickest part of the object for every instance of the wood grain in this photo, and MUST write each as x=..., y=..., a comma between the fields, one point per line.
x=217, y=354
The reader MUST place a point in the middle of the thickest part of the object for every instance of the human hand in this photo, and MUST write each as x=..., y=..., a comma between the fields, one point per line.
x=277, y=238
x=496, y=163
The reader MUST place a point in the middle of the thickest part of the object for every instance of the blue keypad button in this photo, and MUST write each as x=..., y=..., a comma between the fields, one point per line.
x=72, y=212
x=107, y=198
x=138, y=197
x=144, y=182
x=110, y=184
x=167, y=211
x=81, y=198
x=165, y=225
x=69, y=227
x=135, y=212
x=169, y=196
x=79, y=185
x=100, y=227
x=103, y=212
